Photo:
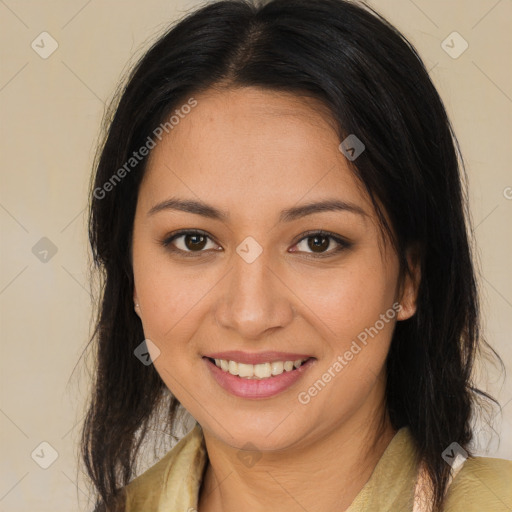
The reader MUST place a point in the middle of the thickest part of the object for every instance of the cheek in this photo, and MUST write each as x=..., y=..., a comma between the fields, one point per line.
x=352, y=298
x=169, y=296
x=355, y=306
x=172, y=303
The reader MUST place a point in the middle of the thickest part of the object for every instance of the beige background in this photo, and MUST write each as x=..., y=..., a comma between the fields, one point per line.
x=51, y=110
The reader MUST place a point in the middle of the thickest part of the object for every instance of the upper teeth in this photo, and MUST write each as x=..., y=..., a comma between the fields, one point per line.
x=258, y=371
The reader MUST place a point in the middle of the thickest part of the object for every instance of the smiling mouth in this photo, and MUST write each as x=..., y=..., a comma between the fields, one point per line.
x=258, y=371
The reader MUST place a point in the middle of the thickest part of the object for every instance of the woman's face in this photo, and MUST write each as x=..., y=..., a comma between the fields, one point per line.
x=261, y=280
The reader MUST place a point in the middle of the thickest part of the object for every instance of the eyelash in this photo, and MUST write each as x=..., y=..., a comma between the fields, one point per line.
x=342, y=244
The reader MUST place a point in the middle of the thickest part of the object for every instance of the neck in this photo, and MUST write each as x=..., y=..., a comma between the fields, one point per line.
x=340, y=462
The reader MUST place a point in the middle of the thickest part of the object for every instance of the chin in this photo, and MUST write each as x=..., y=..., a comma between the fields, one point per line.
x=265, y=434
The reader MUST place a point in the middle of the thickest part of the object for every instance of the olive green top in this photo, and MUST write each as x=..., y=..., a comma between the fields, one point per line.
x=482, y=484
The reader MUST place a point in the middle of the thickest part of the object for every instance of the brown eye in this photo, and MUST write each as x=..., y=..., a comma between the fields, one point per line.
x=188, y=243
x=194, y=242
x=318, y=243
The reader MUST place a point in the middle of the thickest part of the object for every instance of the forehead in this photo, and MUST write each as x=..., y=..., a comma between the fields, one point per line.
x=252, y=146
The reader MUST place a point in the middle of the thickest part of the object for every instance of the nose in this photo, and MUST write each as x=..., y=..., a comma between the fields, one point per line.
x=255, y=300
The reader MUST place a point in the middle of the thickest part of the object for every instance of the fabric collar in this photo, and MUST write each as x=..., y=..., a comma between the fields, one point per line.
x=390, y=486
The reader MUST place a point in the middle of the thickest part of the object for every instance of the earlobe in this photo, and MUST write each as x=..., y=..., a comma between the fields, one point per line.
x=136, y=303
x=409, y=295
x=408, y=307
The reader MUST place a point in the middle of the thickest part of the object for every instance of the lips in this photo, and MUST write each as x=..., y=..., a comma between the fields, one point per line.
x=257, y=388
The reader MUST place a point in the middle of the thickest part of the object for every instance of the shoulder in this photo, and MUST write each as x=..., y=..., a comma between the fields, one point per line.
x=143, y=492
x=482, y=484
x=185, y=459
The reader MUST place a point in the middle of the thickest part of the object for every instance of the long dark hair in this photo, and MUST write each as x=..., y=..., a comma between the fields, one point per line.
x=374, y=85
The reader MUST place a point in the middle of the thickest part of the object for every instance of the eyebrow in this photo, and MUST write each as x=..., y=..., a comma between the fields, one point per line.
x=287, y=215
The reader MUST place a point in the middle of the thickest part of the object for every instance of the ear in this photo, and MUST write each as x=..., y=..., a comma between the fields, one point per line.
x=136, y=306
x=409, y=291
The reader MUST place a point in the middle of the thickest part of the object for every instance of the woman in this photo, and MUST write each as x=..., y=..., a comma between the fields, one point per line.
x=279, y=215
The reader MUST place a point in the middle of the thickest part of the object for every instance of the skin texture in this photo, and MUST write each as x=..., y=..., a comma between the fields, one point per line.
x=254, y=153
